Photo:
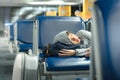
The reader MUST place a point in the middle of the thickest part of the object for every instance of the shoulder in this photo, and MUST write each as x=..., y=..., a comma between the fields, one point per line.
x=83, y=31
x=83, y=34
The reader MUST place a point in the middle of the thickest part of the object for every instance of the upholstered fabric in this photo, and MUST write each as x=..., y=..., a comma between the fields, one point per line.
x=49, y=26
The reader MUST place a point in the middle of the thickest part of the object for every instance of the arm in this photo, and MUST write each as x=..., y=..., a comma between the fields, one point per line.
x=66, y=52
x=83, y=52
x=77, y=52
x=80, y=52
x=83, y=34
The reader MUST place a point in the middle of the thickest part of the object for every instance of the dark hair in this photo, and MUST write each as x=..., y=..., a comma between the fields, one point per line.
x=68, y=32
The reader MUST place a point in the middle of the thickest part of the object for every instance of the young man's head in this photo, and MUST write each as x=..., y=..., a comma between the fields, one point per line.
x=66, y=37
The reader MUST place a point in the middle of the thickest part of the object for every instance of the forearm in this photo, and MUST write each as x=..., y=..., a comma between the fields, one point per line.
x=81, y=52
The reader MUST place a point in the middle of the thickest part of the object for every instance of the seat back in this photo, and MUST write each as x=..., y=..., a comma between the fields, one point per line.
x=25, y=31
x=49, y=26
x=88, y=24
x=11, y=32
x=107, y=53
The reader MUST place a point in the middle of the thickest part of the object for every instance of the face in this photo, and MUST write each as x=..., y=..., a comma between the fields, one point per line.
x=73, y=38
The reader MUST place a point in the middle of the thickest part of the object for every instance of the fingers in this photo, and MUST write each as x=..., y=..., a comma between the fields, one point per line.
x=87, y=54
x=64, y=51
x=61, y=54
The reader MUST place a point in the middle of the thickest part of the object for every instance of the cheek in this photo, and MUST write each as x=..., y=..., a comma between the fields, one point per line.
x=77, y=42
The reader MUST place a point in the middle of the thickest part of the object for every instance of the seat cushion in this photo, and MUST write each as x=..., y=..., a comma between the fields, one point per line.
x=24, y=47
x=67, y=63
x=11, y=38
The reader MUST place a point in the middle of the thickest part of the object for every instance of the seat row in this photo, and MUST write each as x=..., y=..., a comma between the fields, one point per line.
x=104, y=59
x=32, y=36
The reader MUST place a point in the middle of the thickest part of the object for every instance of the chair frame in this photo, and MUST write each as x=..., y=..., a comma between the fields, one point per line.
x=42, y=63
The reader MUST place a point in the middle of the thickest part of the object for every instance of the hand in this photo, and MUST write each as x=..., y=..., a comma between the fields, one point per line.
x=65, y=52
x=87, y=54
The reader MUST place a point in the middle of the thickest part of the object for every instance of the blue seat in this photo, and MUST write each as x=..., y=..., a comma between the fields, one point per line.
x=25, y=47
x=62, y=64
x=107, y=50
x=11, y=32
x=24, y=34
x=11, y=39
x=88, y=24
x=48, y=27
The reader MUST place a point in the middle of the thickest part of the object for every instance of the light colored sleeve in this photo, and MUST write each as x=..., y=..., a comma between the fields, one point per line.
x=84, y=34
x=80, y=52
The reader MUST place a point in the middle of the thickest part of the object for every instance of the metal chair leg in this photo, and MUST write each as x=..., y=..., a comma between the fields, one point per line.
x=48, y=77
